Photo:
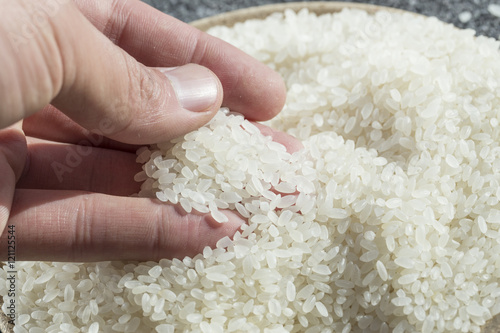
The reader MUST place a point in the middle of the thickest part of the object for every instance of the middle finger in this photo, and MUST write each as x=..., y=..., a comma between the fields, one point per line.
x=62, y=166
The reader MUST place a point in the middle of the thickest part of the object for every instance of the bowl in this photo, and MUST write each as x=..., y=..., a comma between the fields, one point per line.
x=229, y=19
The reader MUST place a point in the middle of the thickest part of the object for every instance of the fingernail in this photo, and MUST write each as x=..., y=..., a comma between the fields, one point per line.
x=196, y=87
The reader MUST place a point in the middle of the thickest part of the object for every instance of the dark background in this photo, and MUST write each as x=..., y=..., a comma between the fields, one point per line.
x=447, y=10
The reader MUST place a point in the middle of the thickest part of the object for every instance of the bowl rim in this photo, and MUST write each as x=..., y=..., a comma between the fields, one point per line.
x=230, y=18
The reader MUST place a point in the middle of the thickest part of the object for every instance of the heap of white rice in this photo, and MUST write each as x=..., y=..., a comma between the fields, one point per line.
x=387, y=221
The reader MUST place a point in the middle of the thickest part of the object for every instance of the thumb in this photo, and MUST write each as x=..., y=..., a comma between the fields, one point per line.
x=107, y=91
x=142, y=105
x=100, y=86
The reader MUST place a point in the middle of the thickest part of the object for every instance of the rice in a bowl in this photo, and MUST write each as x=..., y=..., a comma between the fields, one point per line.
x=387, y=221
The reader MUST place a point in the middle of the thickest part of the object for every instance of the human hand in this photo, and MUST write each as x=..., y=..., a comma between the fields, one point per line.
x=98, y=64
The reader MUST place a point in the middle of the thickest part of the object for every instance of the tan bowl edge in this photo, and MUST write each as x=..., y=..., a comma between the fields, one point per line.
x=229, y=19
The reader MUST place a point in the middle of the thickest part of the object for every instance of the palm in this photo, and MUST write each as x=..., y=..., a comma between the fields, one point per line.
x=72, y=198
x=73, y=201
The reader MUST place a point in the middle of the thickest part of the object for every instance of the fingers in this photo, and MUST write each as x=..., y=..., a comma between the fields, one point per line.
x=80, y=226
x=156, y=39
x=52, y=125
x=100, y=86
x=61, y=166
x=79, y=167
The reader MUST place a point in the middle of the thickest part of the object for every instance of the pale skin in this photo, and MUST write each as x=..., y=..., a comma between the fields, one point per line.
x=92, y=73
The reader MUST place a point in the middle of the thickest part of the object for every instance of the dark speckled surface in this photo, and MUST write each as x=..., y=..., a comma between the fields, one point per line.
x=447, y=10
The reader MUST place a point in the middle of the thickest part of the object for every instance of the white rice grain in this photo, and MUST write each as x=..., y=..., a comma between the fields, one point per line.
x=386, y=221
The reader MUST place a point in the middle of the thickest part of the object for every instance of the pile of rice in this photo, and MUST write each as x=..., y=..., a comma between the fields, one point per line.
x=387, y=221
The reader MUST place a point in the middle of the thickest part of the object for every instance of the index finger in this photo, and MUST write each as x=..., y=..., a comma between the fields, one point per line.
x=159, y=40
